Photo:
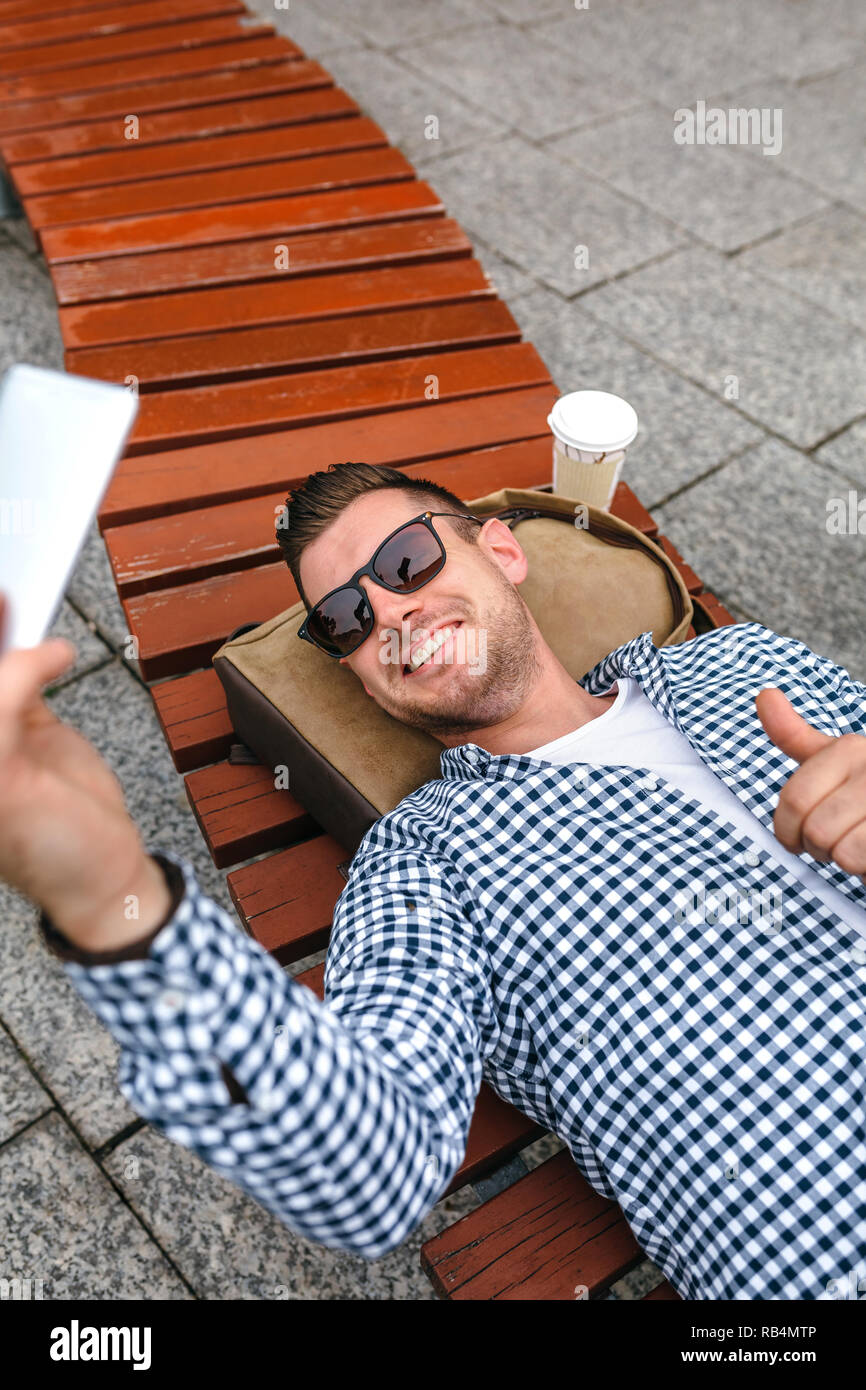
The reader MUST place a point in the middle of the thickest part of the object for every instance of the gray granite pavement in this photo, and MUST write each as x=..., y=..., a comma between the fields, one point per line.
x=720, y=289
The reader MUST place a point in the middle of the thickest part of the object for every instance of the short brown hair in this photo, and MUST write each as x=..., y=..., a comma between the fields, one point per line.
x=311, y=508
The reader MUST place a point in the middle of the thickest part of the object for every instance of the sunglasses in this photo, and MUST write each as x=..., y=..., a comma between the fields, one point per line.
x=406, y=560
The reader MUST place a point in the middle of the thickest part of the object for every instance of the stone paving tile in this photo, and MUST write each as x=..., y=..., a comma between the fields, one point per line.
x=230, y=1247
x=17, y=232
x=708, y=189
x=93, y=590
x=63, y=1223
x=823, y=125
x=676, y=53
x=847, y=453
x=10, y=205
x=756, y=532
x=508, y=280
x=636, y=1284
x=846, y=14
x=798, y=371
x=22, y=1099
x=522, y=11
x=64, y=1041
x=29, y=331
x=540, y=1150
x=402, y=101
x=386, y=24
x=92, y=652
x=513, y=196
x=824, y=261
x=682, y=431
x=307, y=23
x=532, y=86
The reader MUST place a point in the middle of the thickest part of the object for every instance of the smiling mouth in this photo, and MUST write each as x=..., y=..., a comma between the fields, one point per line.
x=409, y=671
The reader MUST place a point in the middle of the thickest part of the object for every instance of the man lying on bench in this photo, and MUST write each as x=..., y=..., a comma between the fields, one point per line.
x=555, y=913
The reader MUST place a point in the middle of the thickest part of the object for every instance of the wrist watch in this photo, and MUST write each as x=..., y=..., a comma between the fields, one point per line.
x=64, y=949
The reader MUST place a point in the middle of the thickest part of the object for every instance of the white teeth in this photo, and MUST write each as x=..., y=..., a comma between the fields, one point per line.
x=430, y=646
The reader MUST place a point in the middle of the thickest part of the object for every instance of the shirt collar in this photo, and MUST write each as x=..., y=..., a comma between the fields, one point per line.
x=638, y=658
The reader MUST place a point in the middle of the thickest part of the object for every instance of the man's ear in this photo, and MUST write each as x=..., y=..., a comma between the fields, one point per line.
x=367, y=688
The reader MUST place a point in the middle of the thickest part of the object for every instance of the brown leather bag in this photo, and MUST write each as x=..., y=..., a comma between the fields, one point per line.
x=593, y=583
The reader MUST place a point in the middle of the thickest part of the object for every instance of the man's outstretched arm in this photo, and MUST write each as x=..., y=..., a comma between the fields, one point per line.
x=355, y=1111
x=350, y=1117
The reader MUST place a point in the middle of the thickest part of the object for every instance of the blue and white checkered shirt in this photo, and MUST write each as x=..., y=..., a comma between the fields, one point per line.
x=522, y=922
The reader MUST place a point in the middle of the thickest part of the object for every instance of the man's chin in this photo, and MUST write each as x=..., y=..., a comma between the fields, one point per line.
x=450, y=710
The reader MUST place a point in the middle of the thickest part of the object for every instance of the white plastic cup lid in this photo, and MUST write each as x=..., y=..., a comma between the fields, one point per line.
x=596, y=421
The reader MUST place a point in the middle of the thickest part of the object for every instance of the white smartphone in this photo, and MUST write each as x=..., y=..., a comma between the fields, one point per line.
x=60, y=438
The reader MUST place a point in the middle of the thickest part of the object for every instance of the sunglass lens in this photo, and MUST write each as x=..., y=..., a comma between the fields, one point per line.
x=341, y=621
x=410, y=558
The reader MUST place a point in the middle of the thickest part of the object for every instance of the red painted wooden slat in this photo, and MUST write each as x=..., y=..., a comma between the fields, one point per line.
x=239, y=262
x=124, y=72
x=186, y=546
x=624, y=504
x=212, y=357
x=286, y=902
x=236, y=222
x=85, y=53
x=158, y=162
x=247, y=68
x=199, y=414
x=98, y=151
x=370, y=160
x=194, y=717
x=14, y=11
x=542, y=1238
x=241, y=813
x=713, y=610
x=48, y=28
x=182, y=479
x=159, y=318
x=693, y=584
x=180, y=628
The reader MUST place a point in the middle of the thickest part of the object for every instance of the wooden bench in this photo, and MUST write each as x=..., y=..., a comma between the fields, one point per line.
x=230, y=235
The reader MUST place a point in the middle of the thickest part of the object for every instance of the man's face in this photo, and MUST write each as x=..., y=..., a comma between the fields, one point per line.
x=484, y=671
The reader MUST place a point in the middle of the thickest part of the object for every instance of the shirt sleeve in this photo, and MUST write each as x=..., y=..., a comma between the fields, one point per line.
x=356, y=1110
x=846, y=695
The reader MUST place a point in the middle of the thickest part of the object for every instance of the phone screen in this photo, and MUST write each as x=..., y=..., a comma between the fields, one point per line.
x=60, y=438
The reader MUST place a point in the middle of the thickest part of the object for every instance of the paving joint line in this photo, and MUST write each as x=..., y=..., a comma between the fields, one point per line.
x=89, y=1153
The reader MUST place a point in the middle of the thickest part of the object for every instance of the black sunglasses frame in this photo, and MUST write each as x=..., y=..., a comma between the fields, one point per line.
x=367, y=570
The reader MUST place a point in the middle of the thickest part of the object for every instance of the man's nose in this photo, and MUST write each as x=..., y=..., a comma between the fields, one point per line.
x=391, y=610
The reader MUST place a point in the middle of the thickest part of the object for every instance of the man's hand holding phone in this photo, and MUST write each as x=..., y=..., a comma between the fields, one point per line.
x=66, y=838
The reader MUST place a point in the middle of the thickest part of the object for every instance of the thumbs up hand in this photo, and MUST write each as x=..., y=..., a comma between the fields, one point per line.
x=822, y=806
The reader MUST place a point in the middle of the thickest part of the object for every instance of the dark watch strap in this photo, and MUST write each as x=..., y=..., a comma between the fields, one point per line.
x=59, y=946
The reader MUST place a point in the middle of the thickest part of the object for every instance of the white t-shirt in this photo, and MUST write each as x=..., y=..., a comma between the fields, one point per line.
x=633, y=732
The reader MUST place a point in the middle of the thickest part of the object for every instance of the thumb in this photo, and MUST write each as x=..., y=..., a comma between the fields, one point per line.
x=25, y=670
x=788, y=729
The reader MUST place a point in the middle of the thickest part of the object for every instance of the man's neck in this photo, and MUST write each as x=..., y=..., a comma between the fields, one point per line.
x=560, y=711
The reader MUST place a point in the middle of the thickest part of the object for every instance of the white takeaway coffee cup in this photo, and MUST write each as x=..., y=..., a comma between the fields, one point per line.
x=591, y=432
